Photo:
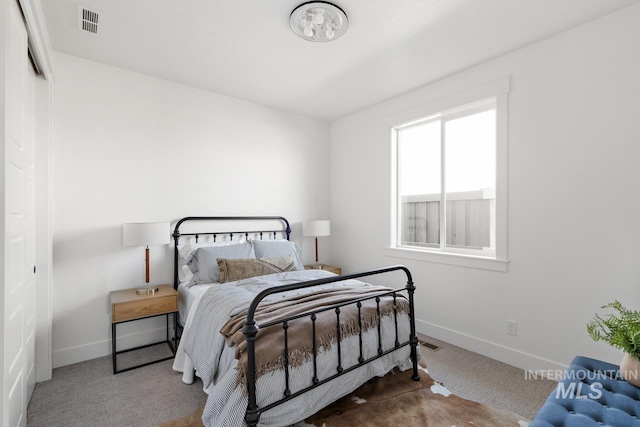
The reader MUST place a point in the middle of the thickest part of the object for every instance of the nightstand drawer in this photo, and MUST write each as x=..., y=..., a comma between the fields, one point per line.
x=144, y=308
x=128, y=305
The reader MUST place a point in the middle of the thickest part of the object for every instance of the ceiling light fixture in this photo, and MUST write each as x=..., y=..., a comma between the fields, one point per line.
x=318, y=21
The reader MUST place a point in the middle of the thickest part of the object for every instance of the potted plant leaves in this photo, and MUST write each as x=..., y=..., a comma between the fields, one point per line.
x=620, y=329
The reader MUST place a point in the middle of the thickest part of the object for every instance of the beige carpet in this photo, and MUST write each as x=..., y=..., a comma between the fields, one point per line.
x=397, y=400
x=88, y=394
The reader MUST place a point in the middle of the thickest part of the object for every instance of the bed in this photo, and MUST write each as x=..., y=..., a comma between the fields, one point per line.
x=272, y=342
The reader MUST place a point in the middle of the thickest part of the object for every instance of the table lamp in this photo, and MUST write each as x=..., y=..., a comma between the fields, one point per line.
x=316, y=229
x=146, y=234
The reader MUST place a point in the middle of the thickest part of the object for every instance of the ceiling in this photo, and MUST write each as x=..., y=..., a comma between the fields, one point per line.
x=245, y=48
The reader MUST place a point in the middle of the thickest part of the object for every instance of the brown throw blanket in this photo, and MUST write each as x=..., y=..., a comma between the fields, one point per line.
x=270, y=342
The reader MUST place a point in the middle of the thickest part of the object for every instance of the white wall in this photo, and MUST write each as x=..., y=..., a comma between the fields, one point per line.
x=573, y=199
x=131, y=148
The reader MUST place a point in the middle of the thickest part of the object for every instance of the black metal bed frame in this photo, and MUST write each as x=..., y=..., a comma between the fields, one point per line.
x=250, y=329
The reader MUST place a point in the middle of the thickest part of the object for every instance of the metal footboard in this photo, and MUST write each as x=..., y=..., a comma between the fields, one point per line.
x=250, y=331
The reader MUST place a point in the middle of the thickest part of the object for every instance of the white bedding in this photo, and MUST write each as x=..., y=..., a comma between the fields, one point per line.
x=227, y=402
x=187, y=296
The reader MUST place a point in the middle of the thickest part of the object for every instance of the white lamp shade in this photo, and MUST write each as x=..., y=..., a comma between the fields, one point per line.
x=146, y=233
x=316, y=228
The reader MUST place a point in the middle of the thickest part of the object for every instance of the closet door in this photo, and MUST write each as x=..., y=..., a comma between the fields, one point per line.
x=19, y=238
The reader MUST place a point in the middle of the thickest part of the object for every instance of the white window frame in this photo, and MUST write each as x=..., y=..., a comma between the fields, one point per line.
x=497, y=260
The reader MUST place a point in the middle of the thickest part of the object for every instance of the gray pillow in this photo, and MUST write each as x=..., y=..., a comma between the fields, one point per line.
x=203, y=263
x=278, y=248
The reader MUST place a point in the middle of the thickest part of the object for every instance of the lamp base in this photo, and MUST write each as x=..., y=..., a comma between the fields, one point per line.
x=147, y=290
x=317, y=266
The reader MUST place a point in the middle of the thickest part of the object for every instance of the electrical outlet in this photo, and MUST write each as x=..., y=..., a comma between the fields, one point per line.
x=512, y=327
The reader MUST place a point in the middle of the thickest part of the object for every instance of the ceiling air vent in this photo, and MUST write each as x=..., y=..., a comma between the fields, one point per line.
x=88, y=19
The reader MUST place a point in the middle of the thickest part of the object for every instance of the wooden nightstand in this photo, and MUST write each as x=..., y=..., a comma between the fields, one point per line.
x=127, y=306
x=331, y=268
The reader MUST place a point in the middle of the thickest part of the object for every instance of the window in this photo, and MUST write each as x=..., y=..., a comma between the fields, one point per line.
x=448, y=182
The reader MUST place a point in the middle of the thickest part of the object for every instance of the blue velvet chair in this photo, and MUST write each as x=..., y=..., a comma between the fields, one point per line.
x=591, y=394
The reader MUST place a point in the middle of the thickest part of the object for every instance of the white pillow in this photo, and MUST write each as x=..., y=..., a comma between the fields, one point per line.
x=278, y=248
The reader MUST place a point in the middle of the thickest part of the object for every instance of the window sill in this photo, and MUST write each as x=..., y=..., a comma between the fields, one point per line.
x=448, y=258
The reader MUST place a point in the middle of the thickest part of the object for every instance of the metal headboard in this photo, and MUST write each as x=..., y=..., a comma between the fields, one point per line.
x=286, y=229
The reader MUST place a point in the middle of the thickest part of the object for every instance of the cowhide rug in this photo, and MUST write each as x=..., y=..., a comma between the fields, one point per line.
x=396, y=400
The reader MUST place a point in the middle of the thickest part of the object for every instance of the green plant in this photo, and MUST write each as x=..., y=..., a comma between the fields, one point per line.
x=621, y=330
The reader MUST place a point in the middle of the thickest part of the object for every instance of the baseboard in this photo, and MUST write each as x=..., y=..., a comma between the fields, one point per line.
x=510, y=356
x=71, y=355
